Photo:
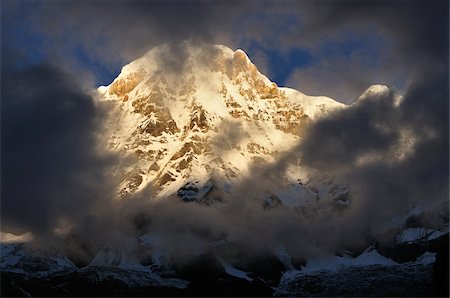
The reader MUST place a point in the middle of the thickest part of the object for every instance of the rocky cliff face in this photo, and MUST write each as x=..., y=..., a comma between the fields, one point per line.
x=202, y=124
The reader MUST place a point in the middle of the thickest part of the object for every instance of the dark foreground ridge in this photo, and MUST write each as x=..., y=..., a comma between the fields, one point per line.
x=205, y=277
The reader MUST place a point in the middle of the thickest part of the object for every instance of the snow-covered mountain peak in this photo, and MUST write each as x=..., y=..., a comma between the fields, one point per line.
x=199, y=118
x=374, y=90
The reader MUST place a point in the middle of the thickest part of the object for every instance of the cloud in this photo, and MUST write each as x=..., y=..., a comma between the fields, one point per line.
x=404, y=39
x=394, y=157
x=52, y=166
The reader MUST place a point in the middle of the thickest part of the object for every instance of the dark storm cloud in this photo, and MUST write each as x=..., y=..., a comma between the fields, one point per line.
x=410, y=34
x=394, y=157
x=51, y=166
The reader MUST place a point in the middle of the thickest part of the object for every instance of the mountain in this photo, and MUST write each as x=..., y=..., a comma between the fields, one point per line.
x=27, y=272
x=199, y=124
